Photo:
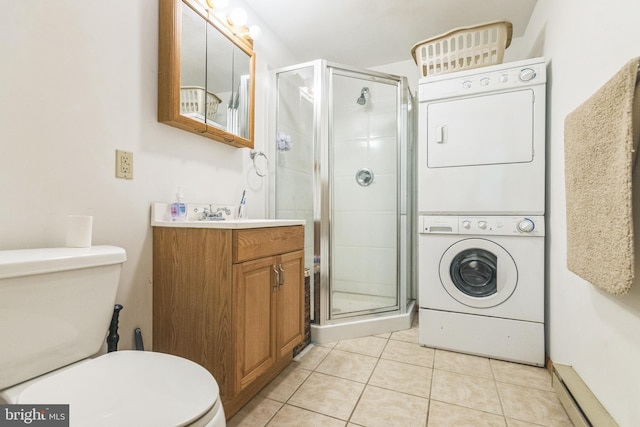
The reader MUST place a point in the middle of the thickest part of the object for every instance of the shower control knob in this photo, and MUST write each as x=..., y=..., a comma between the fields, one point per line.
x=466, y=224
x=526, y=226
x=527, y=74
x=482, y=225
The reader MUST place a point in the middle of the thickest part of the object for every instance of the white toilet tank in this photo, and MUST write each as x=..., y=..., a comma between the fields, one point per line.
x=55, y=307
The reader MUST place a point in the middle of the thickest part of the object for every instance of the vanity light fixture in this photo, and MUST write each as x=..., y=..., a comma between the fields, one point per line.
x=238, y=17
x=236, y=20
x=255, y=32
x=220, y=4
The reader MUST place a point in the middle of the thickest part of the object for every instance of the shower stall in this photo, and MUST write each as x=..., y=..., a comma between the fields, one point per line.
x=344, y=150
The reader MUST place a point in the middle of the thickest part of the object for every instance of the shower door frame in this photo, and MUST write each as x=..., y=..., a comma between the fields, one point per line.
x=327, y=202
x=322, y=197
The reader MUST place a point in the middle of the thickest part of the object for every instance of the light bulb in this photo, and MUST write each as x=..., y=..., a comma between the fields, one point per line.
x=238, y=17
x=254, y=32
x=220, y=4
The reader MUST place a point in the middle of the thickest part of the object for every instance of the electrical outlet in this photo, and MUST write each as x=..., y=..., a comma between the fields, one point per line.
x=124, y=164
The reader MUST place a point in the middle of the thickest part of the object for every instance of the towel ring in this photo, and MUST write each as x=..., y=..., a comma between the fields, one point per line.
x=253, y=154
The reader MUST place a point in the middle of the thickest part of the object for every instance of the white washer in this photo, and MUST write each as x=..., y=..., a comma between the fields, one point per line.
x=481, y=281
x=481, y=141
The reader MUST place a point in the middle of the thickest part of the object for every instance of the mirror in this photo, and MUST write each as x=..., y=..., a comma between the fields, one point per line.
x=205, y=75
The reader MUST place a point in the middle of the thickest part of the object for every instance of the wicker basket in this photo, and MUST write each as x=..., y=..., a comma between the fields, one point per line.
x=463, y=48
x=192, y=103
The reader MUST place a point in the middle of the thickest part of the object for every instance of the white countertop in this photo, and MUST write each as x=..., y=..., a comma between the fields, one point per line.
x=161, y=217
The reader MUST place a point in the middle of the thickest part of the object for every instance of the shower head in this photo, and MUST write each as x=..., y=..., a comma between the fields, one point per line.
x=362, y=100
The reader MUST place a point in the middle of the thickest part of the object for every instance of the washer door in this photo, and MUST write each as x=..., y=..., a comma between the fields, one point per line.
x=478, y=273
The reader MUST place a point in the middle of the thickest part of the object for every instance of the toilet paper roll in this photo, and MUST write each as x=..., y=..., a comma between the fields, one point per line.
x=79, y=230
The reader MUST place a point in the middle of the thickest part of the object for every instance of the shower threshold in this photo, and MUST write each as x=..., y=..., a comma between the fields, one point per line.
x=349, y=328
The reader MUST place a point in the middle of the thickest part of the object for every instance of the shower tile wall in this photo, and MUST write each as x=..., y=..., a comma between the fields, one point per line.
x=364, y=234
x=295, y=165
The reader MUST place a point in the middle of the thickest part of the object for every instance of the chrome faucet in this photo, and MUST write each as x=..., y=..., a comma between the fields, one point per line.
x=210, y=215
x=225, y=210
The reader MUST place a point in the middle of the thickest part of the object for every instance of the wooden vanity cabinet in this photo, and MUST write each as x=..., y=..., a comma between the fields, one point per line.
x=268, y=320
x=230, y=300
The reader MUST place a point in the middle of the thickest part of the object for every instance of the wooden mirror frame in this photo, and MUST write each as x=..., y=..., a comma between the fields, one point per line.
x=170, y=27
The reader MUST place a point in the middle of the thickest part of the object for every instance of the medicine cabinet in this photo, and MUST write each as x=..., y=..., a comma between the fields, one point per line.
x=206, y=78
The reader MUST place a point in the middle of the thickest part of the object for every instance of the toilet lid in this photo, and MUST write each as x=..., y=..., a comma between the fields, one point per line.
x=129, y=388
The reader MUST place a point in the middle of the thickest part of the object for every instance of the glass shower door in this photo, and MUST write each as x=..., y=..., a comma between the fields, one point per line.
x=295, y=154
x=364, y=202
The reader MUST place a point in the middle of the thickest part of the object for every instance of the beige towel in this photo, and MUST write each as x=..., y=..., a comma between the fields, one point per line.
x=599, y=161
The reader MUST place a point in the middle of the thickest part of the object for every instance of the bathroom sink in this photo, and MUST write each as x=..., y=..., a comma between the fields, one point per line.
x=161, y=217
x=231, y=223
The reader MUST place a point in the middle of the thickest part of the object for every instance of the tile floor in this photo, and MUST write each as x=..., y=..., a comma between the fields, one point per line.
x=390, y=380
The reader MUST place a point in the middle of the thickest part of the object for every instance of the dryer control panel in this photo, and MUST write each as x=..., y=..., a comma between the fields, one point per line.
x=507, y=76
x=524, y=226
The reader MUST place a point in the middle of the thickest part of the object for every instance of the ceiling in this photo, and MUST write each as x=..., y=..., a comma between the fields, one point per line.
x=365, y=33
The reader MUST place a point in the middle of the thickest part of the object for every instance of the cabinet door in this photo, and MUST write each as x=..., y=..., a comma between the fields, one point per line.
x=290, y=306
x=255, y=288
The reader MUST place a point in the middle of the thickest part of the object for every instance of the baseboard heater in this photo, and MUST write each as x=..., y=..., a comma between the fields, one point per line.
x=581, y=405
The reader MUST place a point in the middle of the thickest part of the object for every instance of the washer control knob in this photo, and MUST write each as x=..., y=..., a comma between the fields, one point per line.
x=466, y=224
x=504, y=78
x=527, y=74
x=466, y=84
x=482, y=225
x=485, y=81
x=526, y=225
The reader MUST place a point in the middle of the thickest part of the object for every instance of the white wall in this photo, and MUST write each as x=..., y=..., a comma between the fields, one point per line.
x=78, y=81
x=586, y=43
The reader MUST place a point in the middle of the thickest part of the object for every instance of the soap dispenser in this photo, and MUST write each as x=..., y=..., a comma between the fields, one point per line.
x=178, y=208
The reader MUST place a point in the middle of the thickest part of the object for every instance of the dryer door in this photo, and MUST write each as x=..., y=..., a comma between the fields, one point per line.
x=481, y=130
x=478, y=273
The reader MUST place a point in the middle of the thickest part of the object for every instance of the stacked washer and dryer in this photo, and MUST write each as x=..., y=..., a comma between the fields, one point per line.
x=481, y=203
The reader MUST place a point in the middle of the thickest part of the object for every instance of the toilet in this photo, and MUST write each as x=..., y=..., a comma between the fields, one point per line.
x=55, y=308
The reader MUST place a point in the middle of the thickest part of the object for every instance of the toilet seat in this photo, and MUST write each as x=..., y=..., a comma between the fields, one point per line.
x=131, y=388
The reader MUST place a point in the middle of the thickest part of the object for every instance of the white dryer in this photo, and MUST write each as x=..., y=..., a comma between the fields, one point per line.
x=482, y=285
x=481, y=141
